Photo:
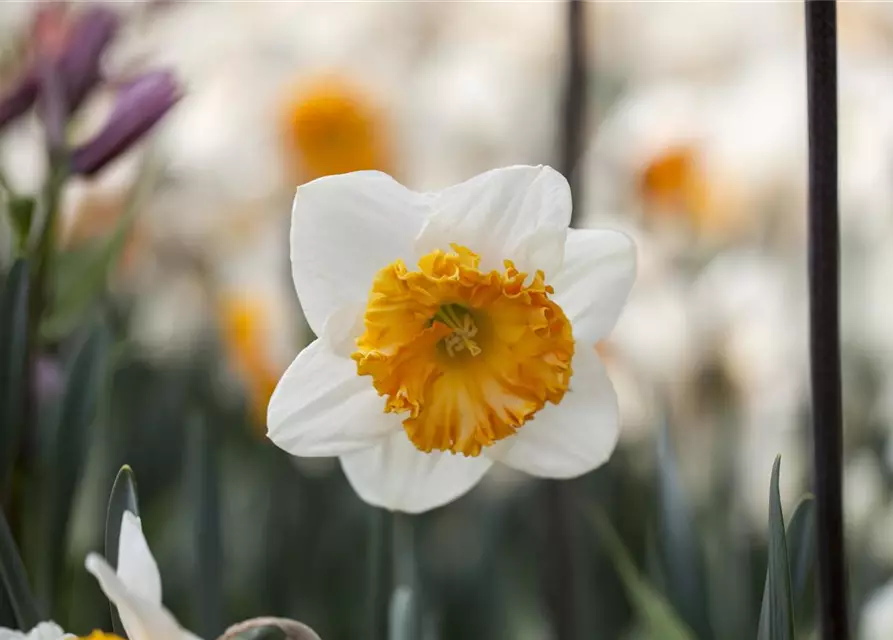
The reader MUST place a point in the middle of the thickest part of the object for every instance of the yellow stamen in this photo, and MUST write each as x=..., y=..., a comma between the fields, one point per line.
x=100, y=635
x=469, y=356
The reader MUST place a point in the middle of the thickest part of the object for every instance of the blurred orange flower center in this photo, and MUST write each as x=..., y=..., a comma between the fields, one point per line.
x=99, y=635
x=468, y=355
x=332, y=128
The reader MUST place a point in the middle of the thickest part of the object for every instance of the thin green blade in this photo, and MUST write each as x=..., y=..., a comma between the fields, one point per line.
x=777, y=613
x=122, y=498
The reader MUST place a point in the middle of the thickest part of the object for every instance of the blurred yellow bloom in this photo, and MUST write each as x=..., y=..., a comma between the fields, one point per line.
x=99, y=635
x=674, y=181
x=243, y=322
x=330, y=127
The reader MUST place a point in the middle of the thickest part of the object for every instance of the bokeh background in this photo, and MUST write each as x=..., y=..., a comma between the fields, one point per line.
x=174, y=262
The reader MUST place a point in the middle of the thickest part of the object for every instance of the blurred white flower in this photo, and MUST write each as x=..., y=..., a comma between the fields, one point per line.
x=43, y=631
x=715, y=163
x=876, y=620
x=468, y=355
x=135, y=588
x=749, y=310
x=687, y=40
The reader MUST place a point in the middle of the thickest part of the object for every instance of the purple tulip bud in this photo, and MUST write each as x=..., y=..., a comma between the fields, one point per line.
x=141, y=103
x=79, y=62
x=19, y=100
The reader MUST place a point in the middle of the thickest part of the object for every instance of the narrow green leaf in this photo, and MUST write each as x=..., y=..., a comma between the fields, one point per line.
x=21, y=213
x=122, y=498
x=679, y=544
x=801, y=536
x=80, y=275
x=15, y=580
x=659, y=618
x=13, y=365
x=204, y=499
x=68, y=448
x=777, y=613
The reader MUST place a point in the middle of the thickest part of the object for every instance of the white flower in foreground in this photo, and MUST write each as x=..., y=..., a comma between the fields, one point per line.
x=43, y=631
x=477, y=360
x=135, y=589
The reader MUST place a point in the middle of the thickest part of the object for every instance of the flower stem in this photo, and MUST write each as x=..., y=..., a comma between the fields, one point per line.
x=574, y=107
x=559, y=575
x=821, y=64
x=379, y=576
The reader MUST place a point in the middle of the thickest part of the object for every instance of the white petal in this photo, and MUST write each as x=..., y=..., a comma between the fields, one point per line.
x=397, y=476
x=345, y=229
x=322, y=407
x=42, y=631
x=143, y=620
x=516, y=213
x=573, y=437
x=136, y=566
x=593, y=284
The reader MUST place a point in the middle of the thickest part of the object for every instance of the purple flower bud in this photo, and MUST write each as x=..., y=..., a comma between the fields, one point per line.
x=19, y=100
x=141, y=104
x=79, y=63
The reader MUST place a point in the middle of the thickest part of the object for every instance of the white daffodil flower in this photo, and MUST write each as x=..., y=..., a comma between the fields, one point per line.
x=135, y=589
x=43, y=631
x=456, y=329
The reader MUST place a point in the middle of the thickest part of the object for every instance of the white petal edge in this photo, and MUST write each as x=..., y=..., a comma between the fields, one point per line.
x=322, y=407
x=136, y=566
x=143, y=620
x=594, y=282
x=42, y=631
x=397, y=476
x=518, y=213
x=344, y=229
x=573, y=437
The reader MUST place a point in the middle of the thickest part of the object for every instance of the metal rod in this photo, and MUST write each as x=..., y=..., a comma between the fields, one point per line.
x=824, y=329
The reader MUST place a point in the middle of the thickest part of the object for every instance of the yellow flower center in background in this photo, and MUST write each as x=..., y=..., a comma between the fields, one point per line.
x=672, y=181
x=468, y=355
x=243, y=334
x=331, y=127
x=99, y=635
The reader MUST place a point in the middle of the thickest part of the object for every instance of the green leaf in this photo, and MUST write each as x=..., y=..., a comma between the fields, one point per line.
x=15, y=580
x=777, y=613
x=656, y=613
x=70, y=440
x=122, y=498
x=204, y=500
x=80, y=275
x=679, y=544
x=801, y=536
x=13, y=365
x=21, y=213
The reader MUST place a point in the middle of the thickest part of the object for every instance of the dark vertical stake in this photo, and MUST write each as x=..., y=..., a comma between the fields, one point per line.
x=824, y=345
x=560, y=576
x=574, y=105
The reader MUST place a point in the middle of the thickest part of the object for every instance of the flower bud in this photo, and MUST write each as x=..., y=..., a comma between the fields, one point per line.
x=292, y=630
x=140, y=105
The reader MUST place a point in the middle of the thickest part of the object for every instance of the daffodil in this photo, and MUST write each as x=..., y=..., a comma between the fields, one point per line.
x=135, y=588
x=456, y=329
x=42, y=631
